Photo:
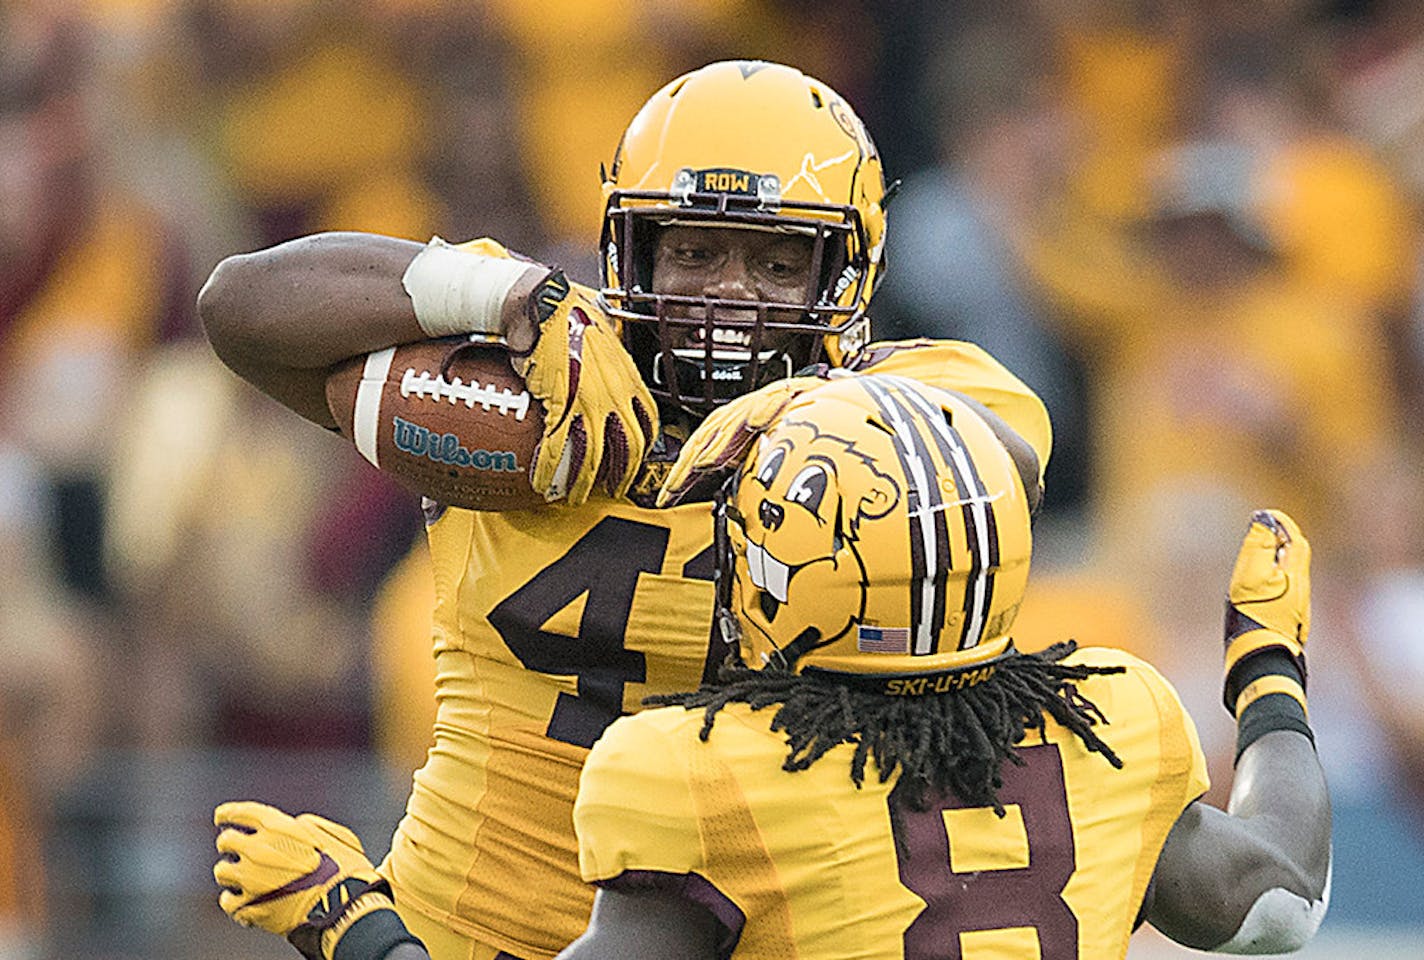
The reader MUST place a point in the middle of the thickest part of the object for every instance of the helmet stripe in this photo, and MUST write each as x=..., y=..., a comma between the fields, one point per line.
x=982, y=540
x=929, y=536
x=981, y=527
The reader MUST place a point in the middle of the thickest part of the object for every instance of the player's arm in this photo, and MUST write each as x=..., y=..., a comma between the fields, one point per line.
x=652, y=924
x=1256, y=877
x=401, y=951
x=283, y=316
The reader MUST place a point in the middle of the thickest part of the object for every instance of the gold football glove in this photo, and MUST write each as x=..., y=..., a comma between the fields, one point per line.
x=722, y=440
x=1268, y=607
x=599, y=417
x=305, y=878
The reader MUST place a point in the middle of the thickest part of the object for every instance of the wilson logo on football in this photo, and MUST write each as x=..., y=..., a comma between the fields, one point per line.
x=445, y=448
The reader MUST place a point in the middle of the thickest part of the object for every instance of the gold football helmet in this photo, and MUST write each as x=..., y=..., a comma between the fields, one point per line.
x=758, y=146
x=879, y=527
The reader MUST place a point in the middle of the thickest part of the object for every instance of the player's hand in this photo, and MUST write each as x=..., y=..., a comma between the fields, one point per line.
x=297, y=877
x=1270, y=584
x=599, y=418
x=722, y=440
x=1268, y=601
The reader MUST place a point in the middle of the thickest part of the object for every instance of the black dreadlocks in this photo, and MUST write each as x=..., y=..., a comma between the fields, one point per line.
x=957, y=740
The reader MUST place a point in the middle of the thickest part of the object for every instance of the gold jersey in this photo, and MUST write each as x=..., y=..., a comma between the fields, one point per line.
x=549, y=624
x=805, y=865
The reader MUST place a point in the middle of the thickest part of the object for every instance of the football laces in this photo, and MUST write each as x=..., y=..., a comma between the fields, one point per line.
x=423, y=385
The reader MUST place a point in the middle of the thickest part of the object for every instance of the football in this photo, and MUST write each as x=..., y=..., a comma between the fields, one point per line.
x=446, y=418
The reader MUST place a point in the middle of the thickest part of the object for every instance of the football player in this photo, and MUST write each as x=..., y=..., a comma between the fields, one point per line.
x=883, y=775
x=742, y=242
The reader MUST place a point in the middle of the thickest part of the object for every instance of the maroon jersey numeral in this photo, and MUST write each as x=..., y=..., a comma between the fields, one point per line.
x=605, y=563
x=1029, y=896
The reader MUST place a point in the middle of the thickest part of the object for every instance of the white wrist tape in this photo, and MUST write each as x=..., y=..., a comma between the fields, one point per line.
x=456, y=291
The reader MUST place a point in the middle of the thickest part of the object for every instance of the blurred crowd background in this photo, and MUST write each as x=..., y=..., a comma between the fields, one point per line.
x=1194, y=227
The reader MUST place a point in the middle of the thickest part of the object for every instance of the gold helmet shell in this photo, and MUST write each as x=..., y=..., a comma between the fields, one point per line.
x=879, y=527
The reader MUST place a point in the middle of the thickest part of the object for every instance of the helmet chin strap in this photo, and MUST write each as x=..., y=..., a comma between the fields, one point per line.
x=723, y=570
x=785, y=658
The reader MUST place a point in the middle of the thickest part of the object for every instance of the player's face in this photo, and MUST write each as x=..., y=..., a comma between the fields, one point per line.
x=725, y=263
x=729, y=302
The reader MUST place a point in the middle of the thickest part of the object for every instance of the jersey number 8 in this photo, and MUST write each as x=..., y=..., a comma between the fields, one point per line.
x=1008, y=901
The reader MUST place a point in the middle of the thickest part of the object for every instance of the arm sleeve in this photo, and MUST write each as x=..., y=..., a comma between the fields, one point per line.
x=634, y=811
x=1183, y=761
